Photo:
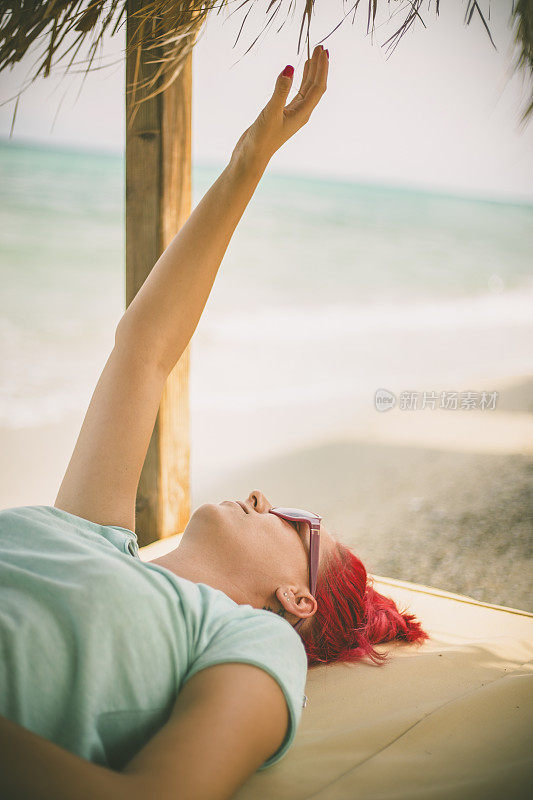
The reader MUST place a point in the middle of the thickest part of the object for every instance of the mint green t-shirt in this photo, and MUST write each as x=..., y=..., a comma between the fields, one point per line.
x=95, y=645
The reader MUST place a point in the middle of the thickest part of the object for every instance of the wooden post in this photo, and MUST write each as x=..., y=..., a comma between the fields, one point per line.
x=158, y=201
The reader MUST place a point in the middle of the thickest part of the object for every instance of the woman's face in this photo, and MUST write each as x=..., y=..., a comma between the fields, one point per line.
x=257, y=552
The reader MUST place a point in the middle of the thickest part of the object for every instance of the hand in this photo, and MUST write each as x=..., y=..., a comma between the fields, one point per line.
x=277, y=122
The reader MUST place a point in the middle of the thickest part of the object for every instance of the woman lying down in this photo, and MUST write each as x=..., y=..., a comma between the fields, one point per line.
x=180, y=677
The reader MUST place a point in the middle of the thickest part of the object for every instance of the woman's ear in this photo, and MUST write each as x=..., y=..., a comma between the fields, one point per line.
x=298, y=602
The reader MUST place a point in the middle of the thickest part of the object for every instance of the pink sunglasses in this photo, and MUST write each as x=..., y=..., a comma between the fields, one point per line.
x=313, y=520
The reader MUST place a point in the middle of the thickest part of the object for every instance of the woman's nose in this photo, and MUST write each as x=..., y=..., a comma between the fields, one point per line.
x=258, y=500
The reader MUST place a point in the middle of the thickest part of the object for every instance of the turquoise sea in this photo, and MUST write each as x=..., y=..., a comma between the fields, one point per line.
x=320, y=281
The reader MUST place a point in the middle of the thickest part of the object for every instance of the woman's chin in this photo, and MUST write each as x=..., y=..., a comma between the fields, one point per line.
x=209, y=513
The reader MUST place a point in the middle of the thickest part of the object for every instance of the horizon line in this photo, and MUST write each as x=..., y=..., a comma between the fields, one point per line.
x=456, y=194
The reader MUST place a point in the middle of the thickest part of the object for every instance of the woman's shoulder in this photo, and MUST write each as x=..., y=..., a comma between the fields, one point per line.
x=247, y=635
x=48, y=525
x=21, y=513
x=18, y=521
x=243, y=629
x=43, y=515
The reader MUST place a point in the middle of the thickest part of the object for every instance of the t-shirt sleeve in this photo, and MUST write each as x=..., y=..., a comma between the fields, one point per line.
x=260, y=638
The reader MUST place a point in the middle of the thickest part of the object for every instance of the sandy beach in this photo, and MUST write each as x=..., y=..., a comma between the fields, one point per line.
x=443, y=499
x=440, y=498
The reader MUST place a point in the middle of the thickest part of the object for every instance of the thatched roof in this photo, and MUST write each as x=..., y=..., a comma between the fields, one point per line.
x=62, y=31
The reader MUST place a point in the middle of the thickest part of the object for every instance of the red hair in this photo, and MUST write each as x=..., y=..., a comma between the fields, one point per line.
x=352, y=617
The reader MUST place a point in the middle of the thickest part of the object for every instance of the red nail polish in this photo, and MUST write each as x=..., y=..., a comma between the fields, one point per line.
x=327, y=53
x=288, y=72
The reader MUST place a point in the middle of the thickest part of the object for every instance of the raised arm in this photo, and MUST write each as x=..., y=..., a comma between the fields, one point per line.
x=165, y=312
x=101, y=480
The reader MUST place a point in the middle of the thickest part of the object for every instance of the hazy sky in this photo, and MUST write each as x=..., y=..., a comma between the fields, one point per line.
x=442, y=112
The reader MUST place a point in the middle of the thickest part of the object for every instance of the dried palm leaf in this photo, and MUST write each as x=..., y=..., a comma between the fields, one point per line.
x=166, y=30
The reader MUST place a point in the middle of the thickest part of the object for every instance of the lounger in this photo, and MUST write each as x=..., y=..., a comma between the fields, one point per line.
x=450, y=719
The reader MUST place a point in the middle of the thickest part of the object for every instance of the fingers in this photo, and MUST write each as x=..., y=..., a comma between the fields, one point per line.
x=282, y=88
x=314, y=82
x=310, y=70
x=305, y=78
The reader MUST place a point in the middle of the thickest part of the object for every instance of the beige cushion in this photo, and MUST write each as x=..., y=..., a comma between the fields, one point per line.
x=449, y=719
